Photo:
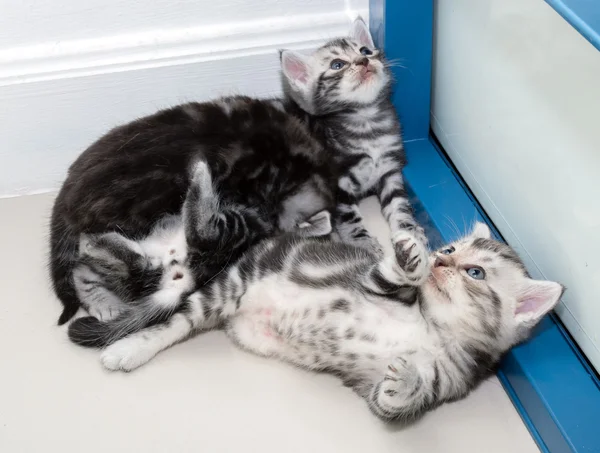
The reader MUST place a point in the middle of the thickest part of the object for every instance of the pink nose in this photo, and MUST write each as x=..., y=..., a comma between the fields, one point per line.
x=364, y=61
x=442, y=261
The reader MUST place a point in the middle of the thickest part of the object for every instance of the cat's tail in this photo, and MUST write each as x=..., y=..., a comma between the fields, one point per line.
x=64, y=251
x=90, y=332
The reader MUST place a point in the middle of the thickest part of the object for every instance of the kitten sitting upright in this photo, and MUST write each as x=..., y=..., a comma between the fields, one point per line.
x=343, y=93
x=406, y=334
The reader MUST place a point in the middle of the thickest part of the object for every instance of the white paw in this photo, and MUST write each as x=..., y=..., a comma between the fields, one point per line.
x=127, y=354
x=400, y=379
x=412, y=256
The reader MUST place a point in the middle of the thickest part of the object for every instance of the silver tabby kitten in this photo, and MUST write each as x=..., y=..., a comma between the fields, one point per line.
x=406, y=335
x=343, y=90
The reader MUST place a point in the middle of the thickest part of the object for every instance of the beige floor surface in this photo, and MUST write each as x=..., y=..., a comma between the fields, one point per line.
x=201, y=396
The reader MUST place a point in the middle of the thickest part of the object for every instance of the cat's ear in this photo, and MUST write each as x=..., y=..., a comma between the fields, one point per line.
x=535, y=299
x=295, y=67
x=359, y=32
x=481, y=231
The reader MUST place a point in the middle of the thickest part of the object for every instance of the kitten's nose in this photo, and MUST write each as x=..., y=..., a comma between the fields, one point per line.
x=442, y=261
x=364, y=61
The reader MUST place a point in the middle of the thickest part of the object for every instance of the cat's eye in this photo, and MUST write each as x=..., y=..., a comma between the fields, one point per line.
x=336, y=65
x=476, y=273
x=366, y=51
x=447, y=250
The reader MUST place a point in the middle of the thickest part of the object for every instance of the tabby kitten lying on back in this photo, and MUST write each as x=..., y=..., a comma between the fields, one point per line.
x=405, y=340
x=335, y=136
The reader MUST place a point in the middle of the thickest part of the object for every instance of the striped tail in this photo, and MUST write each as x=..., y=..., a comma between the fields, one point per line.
x=90, y=332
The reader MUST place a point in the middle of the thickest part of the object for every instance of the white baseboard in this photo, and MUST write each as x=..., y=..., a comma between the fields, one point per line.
x=57, y=98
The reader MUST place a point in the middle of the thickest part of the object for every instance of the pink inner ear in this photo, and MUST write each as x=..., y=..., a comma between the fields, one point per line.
x=364, y=38
x=530, y=304
x=295, y=69
x=538, y=297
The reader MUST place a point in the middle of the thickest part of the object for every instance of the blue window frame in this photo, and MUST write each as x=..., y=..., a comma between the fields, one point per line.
x=549, y=381
x=583, y=15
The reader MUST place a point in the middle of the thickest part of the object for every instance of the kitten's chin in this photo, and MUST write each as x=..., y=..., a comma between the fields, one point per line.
x=434, y=290
x=370, y=86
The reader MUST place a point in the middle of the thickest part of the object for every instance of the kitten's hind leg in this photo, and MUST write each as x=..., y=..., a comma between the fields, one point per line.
x=405, y=392
x=138, y=348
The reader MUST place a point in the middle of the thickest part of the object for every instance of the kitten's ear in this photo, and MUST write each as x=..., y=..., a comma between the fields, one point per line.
x=481, y=230
x=536, y=298
x=295, y=67
x=360, y=33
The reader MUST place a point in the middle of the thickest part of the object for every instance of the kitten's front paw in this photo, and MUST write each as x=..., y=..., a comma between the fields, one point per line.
x=127, y=354
x=412, y=256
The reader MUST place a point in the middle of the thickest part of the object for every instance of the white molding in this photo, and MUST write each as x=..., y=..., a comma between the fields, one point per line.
x=159, y=48
x=59, y=98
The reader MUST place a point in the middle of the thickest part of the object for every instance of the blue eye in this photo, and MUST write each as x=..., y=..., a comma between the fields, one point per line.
x=366, y=51
x=337, y=64
x=476, y=272
x=447, y=250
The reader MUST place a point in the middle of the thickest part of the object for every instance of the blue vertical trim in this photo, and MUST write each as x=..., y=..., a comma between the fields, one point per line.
x=408, y=25
x=583, y=15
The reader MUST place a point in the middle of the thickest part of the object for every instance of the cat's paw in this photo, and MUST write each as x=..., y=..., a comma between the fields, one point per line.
x=400, y=381
x=127, y=354
x=412, y=256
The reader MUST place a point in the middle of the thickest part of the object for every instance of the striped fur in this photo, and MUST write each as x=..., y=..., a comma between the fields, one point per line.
x=350, y=110
x=404, y=342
